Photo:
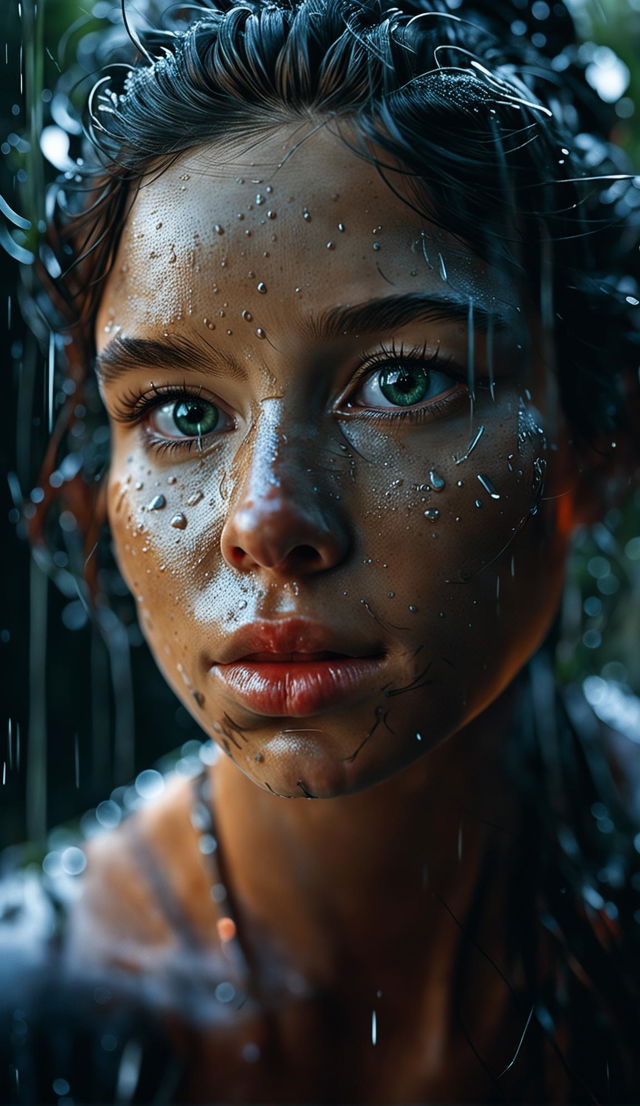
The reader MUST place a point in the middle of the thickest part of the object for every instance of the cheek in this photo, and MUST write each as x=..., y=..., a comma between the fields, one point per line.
x=166, y=528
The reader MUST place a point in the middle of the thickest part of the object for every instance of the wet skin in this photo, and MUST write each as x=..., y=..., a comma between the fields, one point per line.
x=414, y=536
x=315, y=496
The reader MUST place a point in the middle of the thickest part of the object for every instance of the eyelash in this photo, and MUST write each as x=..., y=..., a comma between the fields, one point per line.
x=132, y=407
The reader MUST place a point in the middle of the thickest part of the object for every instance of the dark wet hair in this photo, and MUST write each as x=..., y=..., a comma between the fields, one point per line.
x=504, y=144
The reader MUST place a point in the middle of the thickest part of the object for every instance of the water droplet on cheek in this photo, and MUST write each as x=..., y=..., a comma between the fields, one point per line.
x=179, y=521
x=436, y=482
x=247, y=316
x=262, y=288
x=433, y=513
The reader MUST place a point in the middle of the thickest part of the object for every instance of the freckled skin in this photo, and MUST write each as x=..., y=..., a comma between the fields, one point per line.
x=311, y=501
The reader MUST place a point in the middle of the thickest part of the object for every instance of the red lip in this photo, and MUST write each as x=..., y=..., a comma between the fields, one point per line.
x=292, y=635
x=297, y=667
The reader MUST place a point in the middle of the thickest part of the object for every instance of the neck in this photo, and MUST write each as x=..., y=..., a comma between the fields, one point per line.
x=395, y=863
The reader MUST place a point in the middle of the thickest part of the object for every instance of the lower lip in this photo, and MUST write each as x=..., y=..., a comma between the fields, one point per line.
x=300, y=688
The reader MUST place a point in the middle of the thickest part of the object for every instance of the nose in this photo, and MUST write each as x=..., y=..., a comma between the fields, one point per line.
x=278, y=522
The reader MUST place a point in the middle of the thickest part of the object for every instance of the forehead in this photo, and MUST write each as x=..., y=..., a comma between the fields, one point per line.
x=288, y=215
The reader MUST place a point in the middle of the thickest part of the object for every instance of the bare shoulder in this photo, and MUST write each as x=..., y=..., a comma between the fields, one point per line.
x=145, y=886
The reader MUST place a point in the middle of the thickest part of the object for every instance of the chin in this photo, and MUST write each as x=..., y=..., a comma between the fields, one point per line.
x=306, y=762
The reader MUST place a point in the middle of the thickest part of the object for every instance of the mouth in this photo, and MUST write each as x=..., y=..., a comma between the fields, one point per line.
x=286, y=672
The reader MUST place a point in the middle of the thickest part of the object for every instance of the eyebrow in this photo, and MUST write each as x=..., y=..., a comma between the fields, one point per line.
x=124, y=354
x=393, y=312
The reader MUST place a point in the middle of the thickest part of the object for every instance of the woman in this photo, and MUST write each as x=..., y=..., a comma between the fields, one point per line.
x=346, y=272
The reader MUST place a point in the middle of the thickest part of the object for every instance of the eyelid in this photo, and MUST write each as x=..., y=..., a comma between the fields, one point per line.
x=418, y=356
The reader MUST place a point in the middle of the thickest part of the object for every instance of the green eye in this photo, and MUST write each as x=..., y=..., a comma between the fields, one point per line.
x=186, y=418
x=195, y=417
x=404, y=386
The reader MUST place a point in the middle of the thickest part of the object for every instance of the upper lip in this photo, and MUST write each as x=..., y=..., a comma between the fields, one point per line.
x=292, y=635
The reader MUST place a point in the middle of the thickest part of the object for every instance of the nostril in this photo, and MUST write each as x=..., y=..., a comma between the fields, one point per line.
x=306, y=553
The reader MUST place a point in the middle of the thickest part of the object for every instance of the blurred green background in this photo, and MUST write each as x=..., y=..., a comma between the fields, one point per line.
x=66, y=736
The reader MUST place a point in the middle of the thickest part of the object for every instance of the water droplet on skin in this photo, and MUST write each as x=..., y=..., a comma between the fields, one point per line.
x=478, y=503
x=436, y=482
x=306, y=215
x=195, y=498
x=298, y=291
x=412, y=608
x=341, y=227
x=229, y=332
x=376, y=245
x=331, y=246
x=171, y=479
x=208, y=323
x=443, y=267
x=262, y=288
x=259, y=199
x=179, y=521
x=218, y=228
x=459, y=483
x=272, y=215
x=157, y=503
x=260, y=333
x=433, y=513
x=139, y=485
x=488, y=486
x=240, y=215
x=247, y=316
x=391, y=595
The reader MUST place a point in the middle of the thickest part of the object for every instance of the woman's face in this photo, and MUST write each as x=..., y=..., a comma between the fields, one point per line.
x=340, y=556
